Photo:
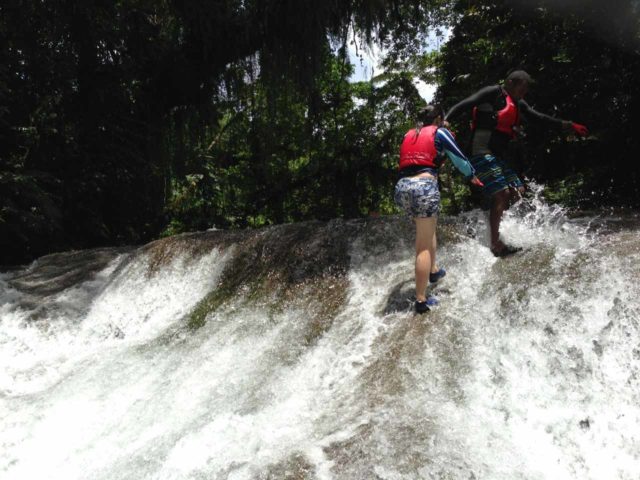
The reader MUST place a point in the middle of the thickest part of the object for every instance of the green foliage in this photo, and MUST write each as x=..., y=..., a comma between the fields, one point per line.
x=280, y=156
x=567, y=191
x=121, y=121
x=117, y=112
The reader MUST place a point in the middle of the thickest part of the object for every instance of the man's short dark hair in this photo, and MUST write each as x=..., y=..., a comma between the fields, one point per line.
x=518, y=76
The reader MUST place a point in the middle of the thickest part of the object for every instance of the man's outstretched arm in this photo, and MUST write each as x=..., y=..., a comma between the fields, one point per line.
x=536, y=116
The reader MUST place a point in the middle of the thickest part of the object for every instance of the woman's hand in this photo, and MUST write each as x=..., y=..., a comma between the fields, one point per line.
x=476, y=181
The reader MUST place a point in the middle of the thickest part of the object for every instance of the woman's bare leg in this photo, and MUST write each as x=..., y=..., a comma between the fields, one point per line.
x=425, y=253
x=434, y=245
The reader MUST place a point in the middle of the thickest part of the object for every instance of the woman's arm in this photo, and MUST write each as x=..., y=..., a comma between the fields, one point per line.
x=446, y=143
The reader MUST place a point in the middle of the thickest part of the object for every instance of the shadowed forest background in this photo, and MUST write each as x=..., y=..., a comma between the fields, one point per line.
x=121, y=121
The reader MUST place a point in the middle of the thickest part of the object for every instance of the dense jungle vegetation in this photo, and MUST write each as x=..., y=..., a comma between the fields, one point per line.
x=124, y=120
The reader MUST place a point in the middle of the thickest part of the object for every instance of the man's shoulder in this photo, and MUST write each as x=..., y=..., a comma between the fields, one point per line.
x=522, y=103
x=488, y=94
x=490, y=90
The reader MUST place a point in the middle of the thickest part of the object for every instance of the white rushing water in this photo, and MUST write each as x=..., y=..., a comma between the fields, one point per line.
x=527, y=370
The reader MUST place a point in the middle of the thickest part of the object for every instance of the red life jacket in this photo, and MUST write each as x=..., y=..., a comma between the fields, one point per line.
x=504, y=120
x=419, y=149
x=508, y=117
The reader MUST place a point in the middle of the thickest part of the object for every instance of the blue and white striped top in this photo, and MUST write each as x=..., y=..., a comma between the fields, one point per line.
x=446, y=145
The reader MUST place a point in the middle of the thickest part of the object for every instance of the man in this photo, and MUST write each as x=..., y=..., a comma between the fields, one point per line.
x=497, y=111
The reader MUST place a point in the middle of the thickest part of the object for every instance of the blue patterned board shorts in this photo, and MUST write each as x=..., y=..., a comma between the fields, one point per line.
x=418, y=197
x=495, y=174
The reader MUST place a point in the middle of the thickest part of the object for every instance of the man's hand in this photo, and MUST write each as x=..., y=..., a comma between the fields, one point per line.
x=580, y=129
x=476, y=181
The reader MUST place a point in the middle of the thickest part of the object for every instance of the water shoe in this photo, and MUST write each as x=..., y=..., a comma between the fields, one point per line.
x=422, y=307
x=506, y=251
x=434, y=277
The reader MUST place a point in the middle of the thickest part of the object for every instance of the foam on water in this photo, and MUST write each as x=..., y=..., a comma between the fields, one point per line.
x=528, y=369
x=122, y=302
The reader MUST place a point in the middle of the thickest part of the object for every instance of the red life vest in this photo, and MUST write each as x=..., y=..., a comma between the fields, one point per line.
x=508, y=117
x=419, y=148
x=504, y=119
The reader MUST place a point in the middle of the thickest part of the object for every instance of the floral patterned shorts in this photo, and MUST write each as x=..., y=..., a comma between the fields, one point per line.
x=418, y=197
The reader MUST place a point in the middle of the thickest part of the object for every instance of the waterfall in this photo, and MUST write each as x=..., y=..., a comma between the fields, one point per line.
x=292, y=352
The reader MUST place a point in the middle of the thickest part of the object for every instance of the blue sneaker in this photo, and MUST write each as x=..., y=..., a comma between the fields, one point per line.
x=432, y=301
x=422, y=307
x=435, y=277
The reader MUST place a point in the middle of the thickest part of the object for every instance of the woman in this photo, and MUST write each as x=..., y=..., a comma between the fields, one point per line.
x=422, y=152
